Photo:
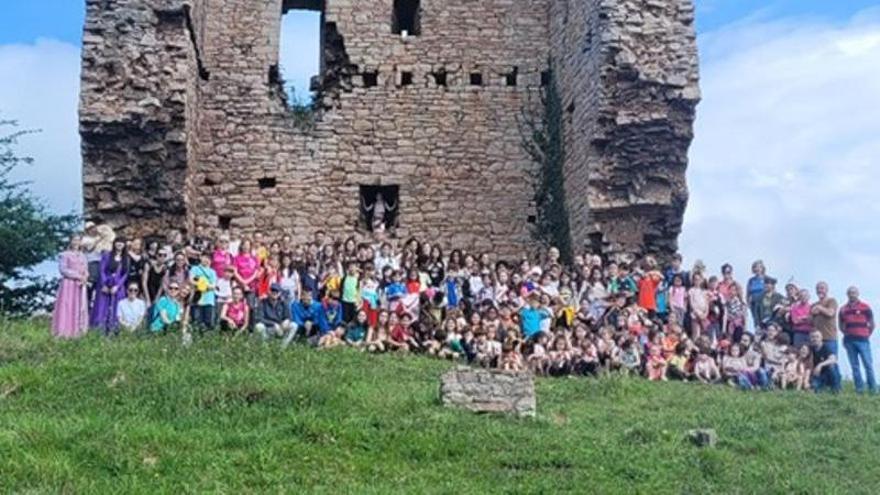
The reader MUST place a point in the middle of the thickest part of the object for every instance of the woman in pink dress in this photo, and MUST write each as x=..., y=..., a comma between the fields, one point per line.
x=70, y=319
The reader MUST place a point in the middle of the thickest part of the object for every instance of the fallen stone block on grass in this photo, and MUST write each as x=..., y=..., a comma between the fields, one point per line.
x=489, y=391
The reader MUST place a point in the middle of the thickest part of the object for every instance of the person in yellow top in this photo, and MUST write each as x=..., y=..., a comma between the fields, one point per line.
x=332, y=280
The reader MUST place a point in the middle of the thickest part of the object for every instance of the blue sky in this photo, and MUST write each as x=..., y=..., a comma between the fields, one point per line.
x=786, y=148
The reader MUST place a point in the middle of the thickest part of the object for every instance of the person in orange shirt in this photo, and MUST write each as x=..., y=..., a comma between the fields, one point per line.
x=648, y=284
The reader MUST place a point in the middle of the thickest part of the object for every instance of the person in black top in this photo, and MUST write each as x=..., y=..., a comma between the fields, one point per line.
x=826, y=374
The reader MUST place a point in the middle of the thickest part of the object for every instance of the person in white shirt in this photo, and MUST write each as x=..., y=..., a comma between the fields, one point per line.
x=131, y=310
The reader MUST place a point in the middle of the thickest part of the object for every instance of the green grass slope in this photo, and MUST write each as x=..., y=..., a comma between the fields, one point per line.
x=146, y=415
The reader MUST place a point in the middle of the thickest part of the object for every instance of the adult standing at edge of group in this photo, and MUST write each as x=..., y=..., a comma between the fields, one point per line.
x=857, y=325
x=70, y=319
x=824, y=313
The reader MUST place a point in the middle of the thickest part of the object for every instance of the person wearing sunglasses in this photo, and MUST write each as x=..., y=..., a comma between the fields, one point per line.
x=131, y=310
x=167, y=312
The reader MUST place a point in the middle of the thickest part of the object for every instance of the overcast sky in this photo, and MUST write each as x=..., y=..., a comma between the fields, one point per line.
x=782, y=168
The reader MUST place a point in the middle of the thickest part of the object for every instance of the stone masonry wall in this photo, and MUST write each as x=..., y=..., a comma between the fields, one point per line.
x=136, y=112
x=447, y=147
x=181, y=116
x=628, y=70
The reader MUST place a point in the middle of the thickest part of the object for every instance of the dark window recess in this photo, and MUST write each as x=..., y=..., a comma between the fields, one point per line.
x=511, y=77
x=224, y=222
x=545, y=78
x=406, y=78
x=406, y=17
x=371, y=79
x=441, y=78
x=210, y=182
x=476, y=79
x=570, y=108
x=379, y=207
x=532, y=219
x=267, y=182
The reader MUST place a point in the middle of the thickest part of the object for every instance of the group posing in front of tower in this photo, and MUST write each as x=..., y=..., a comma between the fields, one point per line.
x=590, y=317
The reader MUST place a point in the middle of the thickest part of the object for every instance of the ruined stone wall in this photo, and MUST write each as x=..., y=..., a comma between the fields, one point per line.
x=135, y=112
x=628, y=73
x=182, y=114
x=455, y=151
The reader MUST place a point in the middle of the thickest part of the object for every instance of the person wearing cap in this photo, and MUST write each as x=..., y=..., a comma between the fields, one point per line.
x=857, y=325
x=273, y=318
x=204, y=283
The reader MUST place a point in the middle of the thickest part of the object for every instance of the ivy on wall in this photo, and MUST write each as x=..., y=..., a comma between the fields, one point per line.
x=542, y=139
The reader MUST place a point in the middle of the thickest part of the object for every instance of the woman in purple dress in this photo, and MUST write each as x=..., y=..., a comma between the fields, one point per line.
x=70, y=318
x=110, y=289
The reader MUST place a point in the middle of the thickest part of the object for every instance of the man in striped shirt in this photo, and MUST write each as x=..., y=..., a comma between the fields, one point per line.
x=857, y=324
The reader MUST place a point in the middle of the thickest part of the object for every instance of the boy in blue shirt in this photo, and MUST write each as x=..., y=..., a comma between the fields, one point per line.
x=531, y=317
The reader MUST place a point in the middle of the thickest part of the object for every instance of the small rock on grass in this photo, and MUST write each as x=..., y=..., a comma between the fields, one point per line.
x=704, y=437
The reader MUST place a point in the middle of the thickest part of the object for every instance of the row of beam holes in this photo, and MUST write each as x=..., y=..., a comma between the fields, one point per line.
x=441, y=78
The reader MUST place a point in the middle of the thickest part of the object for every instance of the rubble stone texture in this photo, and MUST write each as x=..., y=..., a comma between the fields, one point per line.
x=489, y=391
x=182, y=114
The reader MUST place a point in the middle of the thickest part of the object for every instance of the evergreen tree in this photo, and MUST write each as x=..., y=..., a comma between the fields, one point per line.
x=29, y=234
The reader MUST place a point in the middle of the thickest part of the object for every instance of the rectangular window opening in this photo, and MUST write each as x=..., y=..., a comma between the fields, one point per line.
x=267, y=182
x=406, y=78
x=224, y=222
x=545, y=78
x=299, y=57
x=476, y=79
x=371, y=79
x=511, y=77
x=441, y=78
x=379, y=208
x=406, y=18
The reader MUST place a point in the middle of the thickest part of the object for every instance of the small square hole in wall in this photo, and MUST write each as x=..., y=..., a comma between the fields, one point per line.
x=441, y=78
x=476, y=79
x=545, y=78
x=224, y=222
x=406, y=78
x=267, y=182
x=371, y=79
x=511, y=77
x=532, y=219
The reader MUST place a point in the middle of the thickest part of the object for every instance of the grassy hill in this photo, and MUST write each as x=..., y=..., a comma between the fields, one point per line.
x=146, y=415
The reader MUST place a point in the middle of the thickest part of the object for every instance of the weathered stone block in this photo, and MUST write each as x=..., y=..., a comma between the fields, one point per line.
x=489, y=391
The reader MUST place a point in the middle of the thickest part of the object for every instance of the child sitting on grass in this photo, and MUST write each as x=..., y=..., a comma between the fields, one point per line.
x=705, y=369
x=656, y=364
x=538, y=360
x=356, y=331
x=378, y=335
x=511, y=358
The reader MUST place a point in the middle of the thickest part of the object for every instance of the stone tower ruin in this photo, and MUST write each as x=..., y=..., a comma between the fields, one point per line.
x=185, y=123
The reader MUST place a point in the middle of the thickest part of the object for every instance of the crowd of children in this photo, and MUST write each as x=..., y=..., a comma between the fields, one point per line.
x=587, y=317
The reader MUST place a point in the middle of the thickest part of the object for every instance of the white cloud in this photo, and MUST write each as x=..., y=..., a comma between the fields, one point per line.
x=40, y=89
x=784, y=164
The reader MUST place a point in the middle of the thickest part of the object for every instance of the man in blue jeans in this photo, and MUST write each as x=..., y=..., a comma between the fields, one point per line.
x=826, y=374
x=857, y=324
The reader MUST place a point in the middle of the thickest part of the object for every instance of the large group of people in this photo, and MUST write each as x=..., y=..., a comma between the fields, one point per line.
x=590, y=316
